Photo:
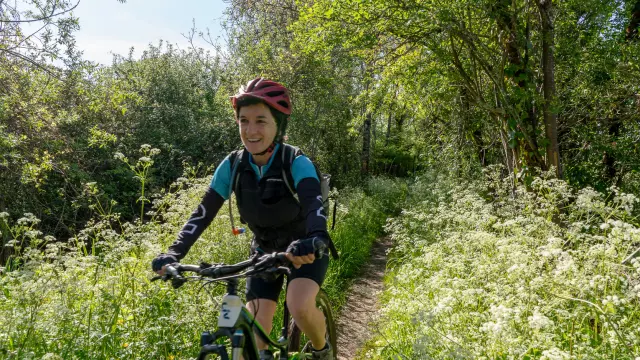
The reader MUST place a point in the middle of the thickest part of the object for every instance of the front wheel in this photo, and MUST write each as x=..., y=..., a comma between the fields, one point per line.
x=298, y=342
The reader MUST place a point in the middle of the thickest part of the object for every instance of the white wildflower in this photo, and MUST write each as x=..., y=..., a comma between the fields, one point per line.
x=554, y=354
x=444, y=306
x=33, y=233
x=538, y=321
x=28, y=218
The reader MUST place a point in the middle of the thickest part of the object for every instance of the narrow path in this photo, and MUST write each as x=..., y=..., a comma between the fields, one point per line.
x=362, y=303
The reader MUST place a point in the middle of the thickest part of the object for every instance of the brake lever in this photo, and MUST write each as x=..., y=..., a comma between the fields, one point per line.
x=171, y=273
x=177, y=282
x=270, y=273
x=283, y=270
x=266, y=261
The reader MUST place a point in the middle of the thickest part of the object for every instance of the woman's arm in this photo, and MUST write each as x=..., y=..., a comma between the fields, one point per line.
x=307, y=187
x=200, y=219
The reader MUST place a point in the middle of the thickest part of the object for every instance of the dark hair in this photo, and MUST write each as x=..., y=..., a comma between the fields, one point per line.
x=280, y=117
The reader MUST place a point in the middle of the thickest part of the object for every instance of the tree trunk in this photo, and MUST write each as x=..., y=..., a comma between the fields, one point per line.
x=609, y=159
x=386, y=140
x=400, y=119
x=508, y=152
x=632, y=29
x=549, y=86
x=366, y=143
x=481, y=152
x=465, y=101
x=506, y=20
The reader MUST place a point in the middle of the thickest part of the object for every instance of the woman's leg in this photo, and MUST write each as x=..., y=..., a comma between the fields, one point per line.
x=301, y=300
x=263, y=310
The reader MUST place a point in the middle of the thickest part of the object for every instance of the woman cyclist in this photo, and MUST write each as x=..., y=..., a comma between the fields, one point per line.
x=278, y=221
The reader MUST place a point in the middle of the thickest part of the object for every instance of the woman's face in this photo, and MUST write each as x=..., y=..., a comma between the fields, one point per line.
x=257, y=127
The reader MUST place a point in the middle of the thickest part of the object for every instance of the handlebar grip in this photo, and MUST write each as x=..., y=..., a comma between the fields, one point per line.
x=319, y=246
x=171, y=271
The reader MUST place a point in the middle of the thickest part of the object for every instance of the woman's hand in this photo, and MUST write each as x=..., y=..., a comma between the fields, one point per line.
x=161, y=261
x=298, y=261
x=302, y=252
x=161, y=271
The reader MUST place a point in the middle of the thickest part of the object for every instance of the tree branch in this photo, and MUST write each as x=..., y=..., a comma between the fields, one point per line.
x=32, y=62
x=43, y=18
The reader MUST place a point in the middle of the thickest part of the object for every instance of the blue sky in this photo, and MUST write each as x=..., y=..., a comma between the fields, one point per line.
x=107, y=26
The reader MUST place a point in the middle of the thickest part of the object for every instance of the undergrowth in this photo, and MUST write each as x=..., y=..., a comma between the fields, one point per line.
x=484, y=271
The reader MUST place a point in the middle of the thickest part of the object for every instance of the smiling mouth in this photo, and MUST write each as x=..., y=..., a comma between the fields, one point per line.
x=254, y=140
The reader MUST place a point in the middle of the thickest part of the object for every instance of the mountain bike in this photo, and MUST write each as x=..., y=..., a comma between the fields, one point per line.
x=236, y=323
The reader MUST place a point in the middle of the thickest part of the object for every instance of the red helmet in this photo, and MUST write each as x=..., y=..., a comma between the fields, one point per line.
x=271, y=92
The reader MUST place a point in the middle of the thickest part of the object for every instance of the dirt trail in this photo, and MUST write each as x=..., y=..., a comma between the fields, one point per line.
x=362, y=303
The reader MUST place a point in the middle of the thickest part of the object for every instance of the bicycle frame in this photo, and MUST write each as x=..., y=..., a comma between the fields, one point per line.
x=238, y=324
x=235, y=321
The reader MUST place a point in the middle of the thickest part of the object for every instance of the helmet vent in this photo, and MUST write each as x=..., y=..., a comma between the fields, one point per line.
x=274, y=93
x=283, y=104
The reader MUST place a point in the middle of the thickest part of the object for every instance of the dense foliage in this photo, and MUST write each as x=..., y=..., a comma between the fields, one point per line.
x=525, y=83
x=59, y=135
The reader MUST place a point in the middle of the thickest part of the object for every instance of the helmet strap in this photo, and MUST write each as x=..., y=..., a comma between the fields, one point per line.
x=267, y=150
x=282, y=126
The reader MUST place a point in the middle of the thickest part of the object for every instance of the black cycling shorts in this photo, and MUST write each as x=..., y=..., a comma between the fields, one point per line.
x=258, y=288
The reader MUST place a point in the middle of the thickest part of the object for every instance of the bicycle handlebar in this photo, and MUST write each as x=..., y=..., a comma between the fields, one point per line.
x=268, y=265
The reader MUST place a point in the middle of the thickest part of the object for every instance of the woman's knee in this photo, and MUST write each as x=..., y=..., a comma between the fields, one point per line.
x=301, y=297
x=263, y=310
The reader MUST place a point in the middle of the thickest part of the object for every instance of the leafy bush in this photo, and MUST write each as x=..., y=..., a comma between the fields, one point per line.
x=65, y=135
x=535, y=273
